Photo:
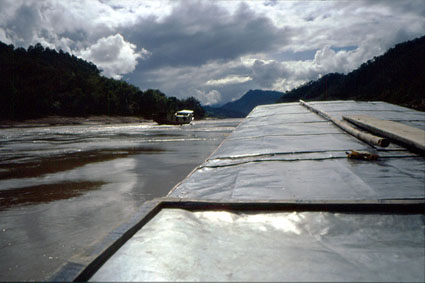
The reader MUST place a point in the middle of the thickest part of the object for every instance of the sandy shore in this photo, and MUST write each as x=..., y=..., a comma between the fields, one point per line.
x=60, y=120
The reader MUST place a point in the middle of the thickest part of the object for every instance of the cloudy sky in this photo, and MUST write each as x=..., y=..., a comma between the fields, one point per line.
x=214, y=50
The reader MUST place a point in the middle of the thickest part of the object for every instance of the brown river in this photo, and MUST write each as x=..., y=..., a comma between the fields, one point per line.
x=64, y=188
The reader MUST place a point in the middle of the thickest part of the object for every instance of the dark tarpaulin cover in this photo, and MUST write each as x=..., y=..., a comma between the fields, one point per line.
x=284, y=151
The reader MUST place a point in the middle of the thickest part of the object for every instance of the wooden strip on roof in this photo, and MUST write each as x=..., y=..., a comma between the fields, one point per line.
x=396, y=131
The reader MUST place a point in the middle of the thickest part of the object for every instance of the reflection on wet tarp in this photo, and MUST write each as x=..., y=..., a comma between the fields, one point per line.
x=178, y=245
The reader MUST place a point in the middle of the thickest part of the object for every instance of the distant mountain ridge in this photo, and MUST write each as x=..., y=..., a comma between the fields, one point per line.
x=397, y=77
x=245, y=104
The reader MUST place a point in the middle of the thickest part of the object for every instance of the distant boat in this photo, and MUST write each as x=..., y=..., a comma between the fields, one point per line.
x=179, y=118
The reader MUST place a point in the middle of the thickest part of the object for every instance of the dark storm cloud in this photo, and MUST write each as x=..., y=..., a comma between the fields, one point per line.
x=200, y=32
x=24, y=24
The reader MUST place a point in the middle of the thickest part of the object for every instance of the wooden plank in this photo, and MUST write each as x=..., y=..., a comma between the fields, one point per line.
x=366, y=137
x=410, y=136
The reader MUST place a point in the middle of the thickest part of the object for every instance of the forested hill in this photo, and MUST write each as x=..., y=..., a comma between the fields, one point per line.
x=241, y=107
x=39, y=81
x=252, y=98
x=397, y=77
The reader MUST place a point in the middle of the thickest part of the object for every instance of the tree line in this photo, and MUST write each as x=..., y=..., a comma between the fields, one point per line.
x=396, y=77
x=39, y=82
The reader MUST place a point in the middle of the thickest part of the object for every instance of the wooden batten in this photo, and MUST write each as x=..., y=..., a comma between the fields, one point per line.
x=366, y=137
x=410, y=136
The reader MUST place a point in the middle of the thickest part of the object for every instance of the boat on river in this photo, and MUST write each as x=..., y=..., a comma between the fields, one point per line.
x=179, y=118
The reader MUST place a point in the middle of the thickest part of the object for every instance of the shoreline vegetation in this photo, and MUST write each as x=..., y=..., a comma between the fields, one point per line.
x=41, y=82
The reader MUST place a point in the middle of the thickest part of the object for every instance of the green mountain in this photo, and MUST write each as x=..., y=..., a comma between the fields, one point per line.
x=245, y=104
x=251, y=99
x=398, y=77
x=219, y=112
x=39, y=82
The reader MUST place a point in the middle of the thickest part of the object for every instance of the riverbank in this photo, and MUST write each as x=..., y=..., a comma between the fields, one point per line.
x=61, y=120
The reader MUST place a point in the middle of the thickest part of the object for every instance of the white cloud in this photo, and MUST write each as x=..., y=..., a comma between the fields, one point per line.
x=3, y=37
x=208, y=98
x=114, y=55
x=229, y=80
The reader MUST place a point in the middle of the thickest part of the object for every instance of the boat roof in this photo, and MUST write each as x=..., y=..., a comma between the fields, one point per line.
x=285, y=151
x=185, y=112
x=280, y=201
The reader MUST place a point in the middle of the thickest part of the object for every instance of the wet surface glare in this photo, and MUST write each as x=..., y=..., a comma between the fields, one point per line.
x=64, y=188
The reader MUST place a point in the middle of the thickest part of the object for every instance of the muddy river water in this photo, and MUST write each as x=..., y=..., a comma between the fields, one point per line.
x=64, y=188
